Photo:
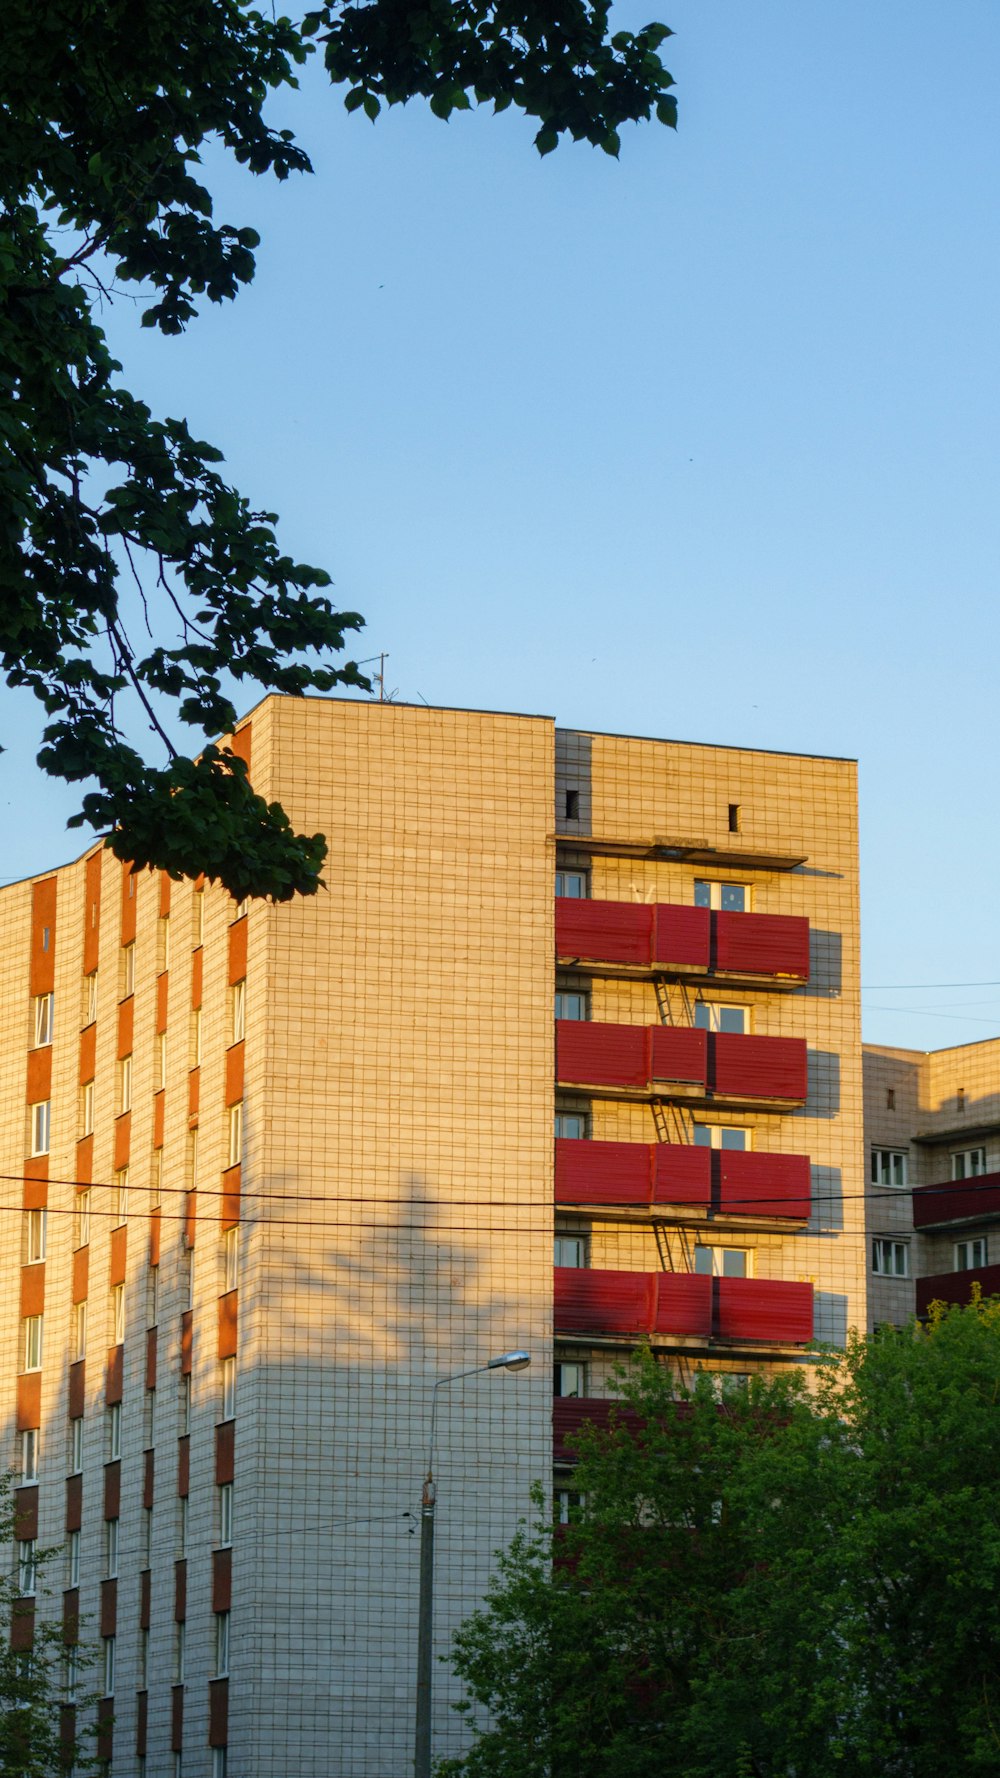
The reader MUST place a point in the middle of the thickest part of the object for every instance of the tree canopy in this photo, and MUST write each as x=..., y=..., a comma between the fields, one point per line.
x=774, y=1585
x=105, y=110
x=40, y=1734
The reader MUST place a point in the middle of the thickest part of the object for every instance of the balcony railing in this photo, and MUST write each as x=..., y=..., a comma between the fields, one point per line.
x=956, y=1287
x=739, y=1182
x=601, y=1303
x=961, y=1200
x=571, y=1412
x=647, y=1059
x=661, y=936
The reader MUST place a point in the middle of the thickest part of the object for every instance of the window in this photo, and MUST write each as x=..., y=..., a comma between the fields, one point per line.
x=970, y=1253
x=968, y=1163
x=187, y=1278
x=35, y=1230
x=569, y=1379
x=241, y=908
x=179, y=1651
x=888, y=1166
x=76, y=1445
x=890, y=1259
x=239, y=1010
x=199, y=917
x=121, y=1198
x=161, y=1060
x=185, y=1416
x=114, y=1425
x=78, y=1332
x=236, y=1133
x=70, y=1673
x=178, y=1765
x=192, y=1158
x=109, y=1666
x=111, y=1549
x=571, y=1123
x=30, y=1440
x=117, y=1314
x=73, y=1558
x=32, y=1330
x=220, y=1765
x=81, y=1219
x=230, y=1258
x=128, y=970
x=87, y=1108
x=721, y=1136
x=724, y=1262
x=26, y=1566
x=152, y=1296
x=90, y=987
x=196, y=1037
x=227, y=1371
x=573, y=884
x=163, y=946
x=149, y=1419
x=566, y=1505
x=734, y=817
x=41, y=1123
x=890, y=1098
x=143, y=1661
x=572, y=805
x=571, y=1004
x=44, y=1004
x=125, y=1084
x=182, y=1524
x=221, y=1644
x=570, y=1250
x=155, y=1178
x=147, y=1537
x=712, y=1015
x=225, y=1515
x=730, y=898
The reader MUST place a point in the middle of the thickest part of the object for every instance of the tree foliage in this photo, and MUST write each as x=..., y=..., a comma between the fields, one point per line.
x=105, y=110
x=777, y=1586
x=39, y=1737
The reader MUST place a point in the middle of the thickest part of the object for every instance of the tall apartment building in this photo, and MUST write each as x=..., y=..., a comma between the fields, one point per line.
x=270, y=1173
x=932, y=1120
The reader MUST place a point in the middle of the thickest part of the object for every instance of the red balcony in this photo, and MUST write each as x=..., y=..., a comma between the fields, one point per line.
x=589, y=1302
x=571, y=1412
x=961, y=1200
x=773, y=948
x=648, y=1059
x=955, y=1287
x=639, y=1174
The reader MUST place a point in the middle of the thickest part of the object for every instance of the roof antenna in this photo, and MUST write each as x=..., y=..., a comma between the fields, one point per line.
x=378, y=678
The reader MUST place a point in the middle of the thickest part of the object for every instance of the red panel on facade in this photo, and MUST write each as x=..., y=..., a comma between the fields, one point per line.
x=604, y=931
x=148, y=1477
x=112, y=1489
x=29, y=1401
x=88, y=1053
x=145, y=1598
x=85, y=1160
x=22, y=1624
x=682, y=1173
x=955, y=1287
x=680, y=1053
x=113, y=1383
x=588, y=1301
x=39, y=1081
x=234, y=1073
x=228, y=1323
x=961, y=1200
x=105, y=1729
x=238, y=950
x=187, y=1337
x=218, y=1712
x=764, y=1309
x=77, y=1388
x=119, y=1249
x=602, y=1172
x=683, y=936
x=184, y=1465
x=222, y=1580
x=180, y=1590
x=760, y=1067
x=109, y=1607
x=151, y=1358
x=126, y=1026
x=225, y=1451
x=123, y=1136
x=602, y=1055
x=176, y=1718
x=754, y=1184
x=763, y=944
x=43, y=936
x=33, y=1289
x=162, y=986
x=570, y=1413
x=230, y=1196
x=196, y=976
x=141, y=1718
x=26, y=1512
x=683, y=1303
x=74, y=1502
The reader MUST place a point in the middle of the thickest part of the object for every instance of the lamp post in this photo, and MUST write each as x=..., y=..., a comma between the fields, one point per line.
x=508, y=1361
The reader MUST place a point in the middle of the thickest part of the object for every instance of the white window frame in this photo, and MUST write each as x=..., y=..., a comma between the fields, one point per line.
x=117, y=1314
x=221, y=1645
x=143, y=1664
x=227, y=1388
x=235, y=1134
x=71, y=1674
x=152, y=1296
x=40, y=1114
x=91, y=1010
x=565, y=1501
x=78, y=1331
x=32, y=1342
x=81, y=1208
x=716, y=1134
x=196, y=1037
x=44, y=1019
x=128, y=970
x=124, y=1085
x=87, y=1108
x=885, y=1252
x=712, y=895
x=76, y=1445
x=109, y=1667
x=569, y=1371
x=239, y=1010
x=27, y=1567
x=970, y=1264
x=161, y=1060
x=563, y=1117
x=111, y=1547
x=114, y=1422
x=225, y=1515
x=961, y=1159
x=121, y=1198
x=883, y=1165
x=73, y=1558
x=231, y=1258
x=35, y=1236
x=220, y=1762
x=185, y=1414
x=564, y=1244
x=565, y=876
x=718, y=1252
x=182, y=1524
x=708, y=1016
x=31, y=1440
x=147, y=1537
x=567, y=997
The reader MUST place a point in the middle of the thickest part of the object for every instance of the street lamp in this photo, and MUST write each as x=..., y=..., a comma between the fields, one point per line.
x=508, y=1361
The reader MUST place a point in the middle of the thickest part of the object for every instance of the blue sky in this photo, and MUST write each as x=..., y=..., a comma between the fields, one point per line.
x=703, y=443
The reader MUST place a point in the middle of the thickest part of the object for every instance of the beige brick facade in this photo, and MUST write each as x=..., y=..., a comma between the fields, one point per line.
x=390, y=1043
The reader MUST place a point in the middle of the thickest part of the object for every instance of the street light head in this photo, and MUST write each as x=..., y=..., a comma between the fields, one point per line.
x=510, y=1361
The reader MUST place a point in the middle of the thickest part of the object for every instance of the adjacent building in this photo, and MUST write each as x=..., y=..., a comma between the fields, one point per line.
x=269, y=1173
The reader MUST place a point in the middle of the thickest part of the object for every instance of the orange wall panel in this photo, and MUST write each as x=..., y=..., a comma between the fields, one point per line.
x=230, y=1196
x=162, y=985
x=112, y=1489
x=81, y=1274
x=123, y=1134
x=234, y=1073
x=88, y=1053
x=43, y=936
x=158, y=1103
x=186, y=1341
x=126, y=1023
x=225, y=1452
x=151, y=1358
x=119, y=1243
x=228, y=1305
x=29, y=1401
x=77, y=1399
x=32, y=1290
x=85, y=1160
x=196, y=976
x=35, y=1191
x=26, y=1511
x=113, y=1379
x=39, y=1074
x=238, y=950
x=241, y=742
x=164, y=895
